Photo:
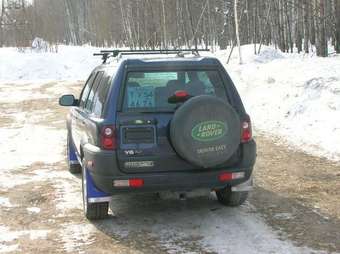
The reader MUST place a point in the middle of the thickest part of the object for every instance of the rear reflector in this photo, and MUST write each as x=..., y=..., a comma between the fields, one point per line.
x=225, y=177
x=121, y=183
x=133, y=183
x=136, y=183
x=238, y=175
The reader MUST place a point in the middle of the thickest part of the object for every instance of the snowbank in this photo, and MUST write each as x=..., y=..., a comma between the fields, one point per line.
x=294, y=97
x=70, y=63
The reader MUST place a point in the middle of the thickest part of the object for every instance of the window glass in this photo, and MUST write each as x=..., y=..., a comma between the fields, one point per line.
x=100, y=96
x=86, y=90
x=149, y=91
x=89, y=102
x=208, y=85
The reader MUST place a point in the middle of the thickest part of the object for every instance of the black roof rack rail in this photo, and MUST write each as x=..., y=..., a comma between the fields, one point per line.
x=104, y=56
x=118, y=52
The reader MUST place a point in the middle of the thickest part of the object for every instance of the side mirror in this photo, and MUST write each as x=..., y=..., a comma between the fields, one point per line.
x=68, y=100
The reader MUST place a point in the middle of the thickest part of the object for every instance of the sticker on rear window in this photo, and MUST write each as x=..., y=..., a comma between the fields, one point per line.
x=141, y=97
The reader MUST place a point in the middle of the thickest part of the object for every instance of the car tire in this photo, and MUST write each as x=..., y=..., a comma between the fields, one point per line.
x=92, y=211
x=229, y=198
x=72, y=167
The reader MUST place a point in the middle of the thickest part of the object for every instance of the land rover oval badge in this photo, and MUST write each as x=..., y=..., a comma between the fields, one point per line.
x=209, y=131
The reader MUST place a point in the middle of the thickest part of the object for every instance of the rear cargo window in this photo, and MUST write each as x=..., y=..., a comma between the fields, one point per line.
x=149, y=91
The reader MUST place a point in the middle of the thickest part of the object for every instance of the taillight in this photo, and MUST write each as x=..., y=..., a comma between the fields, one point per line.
x=246, y=131
x=225, y=177
x=108, y=138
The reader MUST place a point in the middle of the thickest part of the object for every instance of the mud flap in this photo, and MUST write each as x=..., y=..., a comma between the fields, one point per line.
x=93, y=194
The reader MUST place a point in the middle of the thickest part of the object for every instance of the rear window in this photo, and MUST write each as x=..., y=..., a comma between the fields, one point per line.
x=149, y=91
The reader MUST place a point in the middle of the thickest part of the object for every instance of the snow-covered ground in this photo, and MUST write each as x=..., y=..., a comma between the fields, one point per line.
x=293, y=97
x=176, y=226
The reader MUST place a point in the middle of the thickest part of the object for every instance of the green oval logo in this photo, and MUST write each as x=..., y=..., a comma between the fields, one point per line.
x=209, y=131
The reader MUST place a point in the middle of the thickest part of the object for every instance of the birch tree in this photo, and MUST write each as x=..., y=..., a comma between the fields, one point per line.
x=237, y=31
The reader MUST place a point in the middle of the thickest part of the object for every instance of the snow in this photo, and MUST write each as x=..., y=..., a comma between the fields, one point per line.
x=8, y=235
x=70, y=63
x=68, y=195
x=295, y=98
x=8, y=248
x=5, y=202
x=199, y=220
x=75, y=236
x=31, y=143
x=33, y=209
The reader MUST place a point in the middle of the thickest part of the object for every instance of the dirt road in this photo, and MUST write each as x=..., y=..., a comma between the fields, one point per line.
x=294, y=208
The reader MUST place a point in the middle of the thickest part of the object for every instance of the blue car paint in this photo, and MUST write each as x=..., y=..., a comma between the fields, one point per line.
x=92, y=191
x=72, y=155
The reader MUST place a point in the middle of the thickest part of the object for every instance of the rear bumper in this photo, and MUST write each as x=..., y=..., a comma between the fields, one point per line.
x=104, y=171
x=170, y=181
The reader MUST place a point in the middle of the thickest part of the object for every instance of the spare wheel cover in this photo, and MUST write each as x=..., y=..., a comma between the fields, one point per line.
x=205, y=131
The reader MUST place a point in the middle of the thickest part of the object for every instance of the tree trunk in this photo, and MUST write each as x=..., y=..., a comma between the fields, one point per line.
x=299, y=30
x=322, y=48
x=164, y=25
x=337, y=29
x=306, y=24
x=2, y=21
x=71, y=24
x=237, y=31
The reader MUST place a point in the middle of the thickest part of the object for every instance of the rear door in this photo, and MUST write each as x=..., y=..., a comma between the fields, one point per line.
x=88, y=127
x=76, y=112
x=143, y=123
x=95, y=108
x=81, y=113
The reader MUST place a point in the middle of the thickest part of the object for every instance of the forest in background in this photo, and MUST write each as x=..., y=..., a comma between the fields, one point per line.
x=287, y=24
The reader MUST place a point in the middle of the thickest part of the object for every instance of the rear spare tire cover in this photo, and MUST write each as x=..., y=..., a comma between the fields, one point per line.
x=206, y=131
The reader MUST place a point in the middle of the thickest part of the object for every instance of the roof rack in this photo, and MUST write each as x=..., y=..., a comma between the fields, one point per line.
x=104, y=56
x=118, y=53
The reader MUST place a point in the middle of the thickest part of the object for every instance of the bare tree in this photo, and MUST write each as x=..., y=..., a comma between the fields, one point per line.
x=337, y=30
x=286, y=24
x=237, y=31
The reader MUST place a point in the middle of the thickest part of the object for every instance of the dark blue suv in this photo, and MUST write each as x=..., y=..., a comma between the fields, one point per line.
x=159, y=124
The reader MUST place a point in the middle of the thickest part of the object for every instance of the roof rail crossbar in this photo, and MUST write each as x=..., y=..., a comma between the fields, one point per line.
x=117, y=52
